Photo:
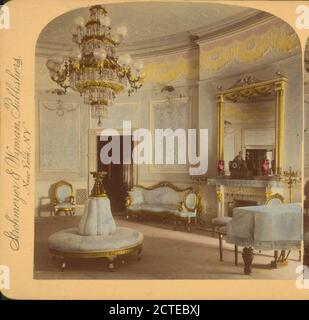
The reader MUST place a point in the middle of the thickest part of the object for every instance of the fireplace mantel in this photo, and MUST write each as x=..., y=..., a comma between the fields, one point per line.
x=231, y=190
x=245, y=183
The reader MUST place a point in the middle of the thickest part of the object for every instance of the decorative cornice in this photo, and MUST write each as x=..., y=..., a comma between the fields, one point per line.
x=241, y=23
x=173, y=43
x=247, y=47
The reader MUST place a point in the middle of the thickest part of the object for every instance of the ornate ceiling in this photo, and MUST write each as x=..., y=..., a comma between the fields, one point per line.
x=151, y=23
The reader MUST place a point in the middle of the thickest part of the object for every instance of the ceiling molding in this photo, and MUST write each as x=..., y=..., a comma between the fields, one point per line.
x=174, y=43
x=244, y=23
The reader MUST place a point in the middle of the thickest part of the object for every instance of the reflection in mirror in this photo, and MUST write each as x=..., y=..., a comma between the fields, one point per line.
x=249, y=134
x=251, y=123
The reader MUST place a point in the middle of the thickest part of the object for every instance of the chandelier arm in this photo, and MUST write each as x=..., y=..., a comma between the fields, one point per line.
x=94, y=69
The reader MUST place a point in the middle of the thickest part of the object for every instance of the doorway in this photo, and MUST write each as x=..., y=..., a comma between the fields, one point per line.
x=119, y=177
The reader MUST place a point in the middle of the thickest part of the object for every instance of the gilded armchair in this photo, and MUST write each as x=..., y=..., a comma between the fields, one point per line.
x=63, y=198
x=188, y=209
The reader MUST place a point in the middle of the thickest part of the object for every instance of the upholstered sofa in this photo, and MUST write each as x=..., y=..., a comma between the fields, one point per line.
x=164, y=199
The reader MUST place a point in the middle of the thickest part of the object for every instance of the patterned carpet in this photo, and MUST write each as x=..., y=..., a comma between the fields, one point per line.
x=167, y=254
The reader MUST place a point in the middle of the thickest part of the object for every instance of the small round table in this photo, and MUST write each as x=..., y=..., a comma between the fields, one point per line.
x=67, y=244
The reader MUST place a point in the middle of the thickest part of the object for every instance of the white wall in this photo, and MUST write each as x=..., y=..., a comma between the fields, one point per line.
x=136, y=108
x=291, y=68
x=190, y=75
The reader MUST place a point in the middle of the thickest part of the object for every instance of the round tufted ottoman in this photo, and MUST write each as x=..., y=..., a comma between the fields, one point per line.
x=69, y=243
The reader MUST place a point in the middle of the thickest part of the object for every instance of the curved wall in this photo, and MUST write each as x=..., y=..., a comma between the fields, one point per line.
x=261, y=49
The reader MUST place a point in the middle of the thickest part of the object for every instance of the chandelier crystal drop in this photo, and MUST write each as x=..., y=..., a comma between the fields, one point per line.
x=93, y=67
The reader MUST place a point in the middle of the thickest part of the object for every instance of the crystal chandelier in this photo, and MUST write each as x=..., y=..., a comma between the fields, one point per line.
x=93, y=68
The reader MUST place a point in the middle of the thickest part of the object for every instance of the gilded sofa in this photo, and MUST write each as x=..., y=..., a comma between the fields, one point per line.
x=164, y=199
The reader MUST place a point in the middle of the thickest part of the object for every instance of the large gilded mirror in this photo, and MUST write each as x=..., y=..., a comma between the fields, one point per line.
x=251, y=128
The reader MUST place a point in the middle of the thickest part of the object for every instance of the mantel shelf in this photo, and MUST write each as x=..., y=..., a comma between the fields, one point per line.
x=244, y=183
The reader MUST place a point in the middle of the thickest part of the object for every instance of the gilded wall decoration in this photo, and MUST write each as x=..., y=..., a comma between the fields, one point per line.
x=243, y=49
x=169, y=69
x=249, y=50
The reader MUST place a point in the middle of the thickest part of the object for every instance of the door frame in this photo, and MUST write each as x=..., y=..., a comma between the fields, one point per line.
x=92, y=155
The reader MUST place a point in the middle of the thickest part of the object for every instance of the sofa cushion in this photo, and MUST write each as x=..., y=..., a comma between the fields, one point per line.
x=186, y=214
x=171, y=196
x=156, y=207
x=154, y=196
x=136, y=196
x=64, y=205
x=164, y=195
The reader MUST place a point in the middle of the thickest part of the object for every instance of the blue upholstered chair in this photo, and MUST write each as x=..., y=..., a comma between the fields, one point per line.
x=63, y=198
x=188, y=210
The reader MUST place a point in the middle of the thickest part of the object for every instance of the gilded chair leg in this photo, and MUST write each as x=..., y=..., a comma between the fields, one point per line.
x=175, y=224
x=299, y=255
x=188, y=224
x=220, y=246
x=139, y=253
x=111, y=265
x=236, y=255
x=63, y=266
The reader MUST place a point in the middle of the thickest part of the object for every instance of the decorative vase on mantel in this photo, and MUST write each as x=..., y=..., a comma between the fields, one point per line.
x=265, y=167
x=220, y=168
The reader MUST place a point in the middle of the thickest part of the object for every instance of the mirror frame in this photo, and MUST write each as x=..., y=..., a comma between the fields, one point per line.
x=249, y=88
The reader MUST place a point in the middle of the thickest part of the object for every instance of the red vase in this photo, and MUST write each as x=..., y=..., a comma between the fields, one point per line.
x=220, y=167
x=265, y=167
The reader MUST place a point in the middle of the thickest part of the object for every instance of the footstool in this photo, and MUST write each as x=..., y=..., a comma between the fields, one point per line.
x=68, y=243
